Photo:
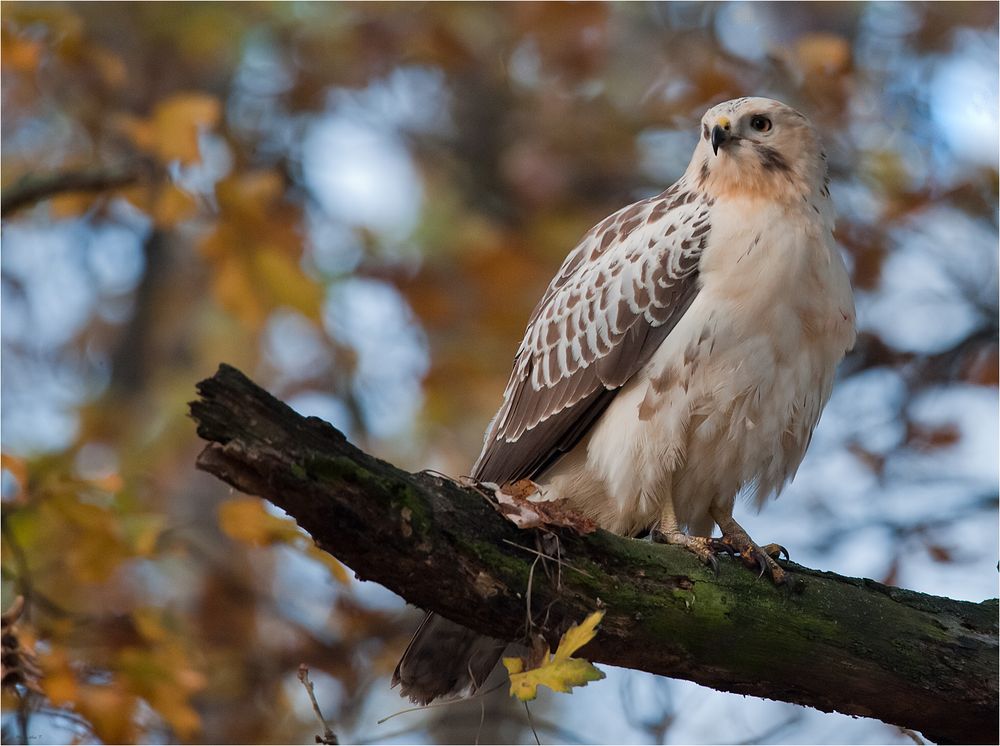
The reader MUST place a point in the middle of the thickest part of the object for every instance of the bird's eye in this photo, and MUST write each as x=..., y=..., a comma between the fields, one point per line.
x=761, y=124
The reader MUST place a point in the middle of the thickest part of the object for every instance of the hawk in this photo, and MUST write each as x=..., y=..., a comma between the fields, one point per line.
x=682, y=354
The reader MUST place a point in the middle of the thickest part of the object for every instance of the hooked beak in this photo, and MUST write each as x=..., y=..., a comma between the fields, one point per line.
x=719, y=136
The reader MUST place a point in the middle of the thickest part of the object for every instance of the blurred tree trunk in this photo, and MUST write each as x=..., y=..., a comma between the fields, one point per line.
x=833, y=643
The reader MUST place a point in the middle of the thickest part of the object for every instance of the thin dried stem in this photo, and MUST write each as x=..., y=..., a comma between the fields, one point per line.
x=328, y=737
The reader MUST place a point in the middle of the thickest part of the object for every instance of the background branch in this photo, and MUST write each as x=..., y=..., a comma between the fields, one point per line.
x=33, y=188
x=834, y=643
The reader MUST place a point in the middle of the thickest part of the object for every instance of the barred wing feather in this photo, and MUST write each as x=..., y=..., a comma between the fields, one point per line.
x=616, y=297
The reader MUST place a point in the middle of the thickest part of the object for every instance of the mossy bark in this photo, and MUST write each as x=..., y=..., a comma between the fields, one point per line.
x=838, y=644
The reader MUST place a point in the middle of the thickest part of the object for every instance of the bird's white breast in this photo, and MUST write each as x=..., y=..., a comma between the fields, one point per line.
x=731, y=397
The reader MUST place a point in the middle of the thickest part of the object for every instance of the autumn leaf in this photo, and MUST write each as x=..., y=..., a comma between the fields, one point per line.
x=164, y=678
x=171, y=133
x=70, y=204
x=247, y=195
x=288, y=285
x=337, y=570
x=58, y=679
x=246, y=519
x=235, y=289
x=560, y=672
x=172, y=205
x=18, y=469
x=141, y=532
x=254, y=251
x=177, y=122
x=823, y=54
x=20, y=53
x=91, y=537
x=110, y=708
x=514, y=502
x=167, y=203
x=109, y=66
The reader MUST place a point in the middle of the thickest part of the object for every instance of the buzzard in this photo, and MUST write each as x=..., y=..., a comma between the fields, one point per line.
x=682, y=354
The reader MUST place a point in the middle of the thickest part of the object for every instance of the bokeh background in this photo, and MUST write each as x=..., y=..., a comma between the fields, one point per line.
x=358, y=205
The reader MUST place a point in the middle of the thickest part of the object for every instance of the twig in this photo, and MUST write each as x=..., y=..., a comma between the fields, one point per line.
x=528, y=621
x=445, y=703
x=328, y=737
x=547, y=556
x=34, y=188
x=482, y=720
x=564, y=734
x=531, y=724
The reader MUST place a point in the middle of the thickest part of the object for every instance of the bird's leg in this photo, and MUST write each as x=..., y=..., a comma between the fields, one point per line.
x=736, y=541
x=704, y=547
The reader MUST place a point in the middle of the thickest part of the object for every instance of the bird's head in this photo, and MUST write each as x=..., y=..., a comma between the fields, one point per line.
x=758, y=147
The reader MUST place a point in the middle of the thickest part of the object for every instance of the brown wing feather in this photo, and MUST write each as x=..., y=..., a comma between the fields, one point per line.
x=616, y=298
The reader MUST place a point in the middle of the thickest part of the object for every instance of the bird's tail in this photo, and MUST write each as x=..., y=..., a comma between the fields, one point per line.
x=445, y=660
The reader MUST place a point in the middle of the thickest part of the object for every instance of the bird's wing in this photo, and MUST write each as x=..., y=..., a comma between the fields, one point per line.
x=615, y=299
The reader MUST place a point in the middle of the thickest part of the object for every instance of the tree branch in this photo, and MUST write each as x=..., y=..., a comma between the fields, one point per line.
x=34, y=188
x=833, y=643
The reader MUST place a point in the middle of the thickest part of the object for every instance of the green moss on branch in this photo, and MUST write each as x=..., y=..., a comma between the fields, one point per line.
x=846, y=644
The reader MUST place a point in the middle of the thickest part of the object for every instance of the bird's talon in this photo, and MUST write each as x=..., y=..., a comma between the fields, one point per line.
x=776, y=551
x=724, y=545
x=754, y=557
x=736, y=544
x=701, y=546
x=713, y=563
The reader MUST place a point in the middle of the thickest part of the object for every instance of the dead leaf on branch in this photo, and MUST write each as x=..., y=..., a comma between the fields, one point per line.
x=559, y=671
x=523, y=504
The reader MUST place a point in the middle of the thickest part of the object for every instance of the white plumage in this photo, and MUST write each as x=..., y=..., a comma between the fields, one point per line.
x=683, y=352
x=731, y=396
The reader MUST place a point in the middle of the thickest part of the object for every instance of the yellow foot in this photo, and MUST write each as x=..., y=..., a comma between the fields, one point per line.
x=703, y=547
x=735, y=541
x=738, y=543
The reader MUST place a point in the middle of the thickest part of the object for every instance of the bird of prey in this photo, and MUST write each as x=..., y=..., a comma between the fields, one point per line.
x=682, y=354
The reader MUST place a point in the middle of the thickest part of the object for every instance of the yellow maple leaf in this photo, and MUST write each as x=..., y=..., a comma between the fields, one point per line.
x=559, y=671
